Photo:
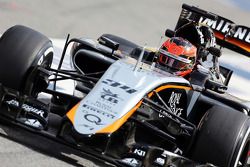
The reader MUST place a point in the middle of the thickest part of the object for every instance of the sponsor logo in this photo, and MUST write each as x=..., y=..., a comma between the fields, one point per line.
x=139, y=152
x=46, y=53
x=102, y=106
x=178, y=151
x=93, y=119
x=173, y=100
x=165, y=153
x=164, y=113
x=88, y=108
x=93, y=116
x=87, y=126
x=241, y=33
x=160, y=161
x=27, y=108
x=33, y=123
x=109, y=96
x=40, y=61
x=119, y=85
x=131, y=162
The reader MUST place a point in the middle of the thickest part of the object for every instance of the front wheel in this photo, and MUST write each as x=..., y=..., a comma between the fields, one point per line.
x=223, y=138
x=22, y=50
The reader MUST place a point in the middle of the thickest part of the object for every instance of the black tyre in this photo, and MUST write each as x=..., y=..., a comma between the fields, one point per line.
x=223, y=138
x=21, y=51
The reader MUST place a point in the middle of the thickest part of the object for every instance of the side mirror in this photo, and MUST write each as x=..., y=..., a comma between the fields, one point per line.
x=108, y=42
x=215, y=86
x=226, y=73
x=214, y=51
x=169, y=33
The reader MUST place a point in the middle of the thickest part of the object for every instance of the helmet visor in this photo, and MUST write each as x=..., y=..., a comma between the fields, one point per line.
x=174, y=62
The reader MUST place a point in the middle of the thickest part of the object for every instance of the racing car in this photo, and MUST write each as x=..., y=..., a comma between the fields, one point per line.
x=124, y=109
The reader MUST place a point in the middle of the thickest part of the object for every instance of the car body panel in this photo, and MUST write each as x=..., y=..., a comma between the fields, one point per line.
x=117, y=95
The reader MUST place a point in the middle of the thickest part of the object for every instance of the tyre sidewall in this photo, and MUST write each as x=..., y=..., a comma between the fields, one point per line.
x=219, y=134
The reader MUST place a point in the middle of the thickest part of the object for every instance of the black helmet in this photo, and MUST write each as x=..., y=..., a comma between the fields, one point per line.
x=199, y=35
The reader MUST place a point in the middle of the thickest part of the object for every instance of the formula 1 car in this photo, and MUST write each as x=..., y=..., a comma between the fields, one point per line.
x=124, y=109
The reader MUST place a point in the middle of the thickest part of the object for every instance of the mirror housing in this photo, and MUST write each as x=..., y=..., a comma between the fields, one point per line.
x=169, y=33
x=108, y=42
x=214, y=51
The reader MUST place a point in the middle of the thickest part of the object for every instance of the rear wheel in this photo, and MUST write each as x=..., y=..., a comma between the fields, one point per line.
x=223, y=138
x=22, y=50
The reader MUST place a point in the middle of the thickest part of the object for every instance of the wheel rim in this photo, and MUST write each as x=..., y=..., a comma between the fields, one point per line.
x=243, y=157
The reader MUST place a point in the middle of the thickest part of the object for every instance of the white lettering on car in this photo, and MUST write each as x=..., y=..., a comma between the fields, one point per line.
x=130, y=161
x=140, y=152
x=160, y=161
x=26, y=107
x=173, y=100
x=241, y=32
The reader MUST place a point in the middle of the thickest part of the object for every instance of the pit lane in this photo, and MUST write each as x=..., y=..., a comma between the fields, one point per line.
x=141, y=21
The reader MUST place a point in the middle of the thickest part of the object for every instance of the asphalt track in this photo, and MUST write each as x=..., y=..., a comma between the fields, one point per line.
x=142, y=21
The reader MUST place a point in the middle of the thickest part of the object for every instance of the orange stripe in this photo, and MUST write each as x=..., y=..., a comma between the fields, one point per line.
x=219, y=35
x=72, y=112
x=242, y=45
x=117, y=124
x=167, y=87
x=234, y=41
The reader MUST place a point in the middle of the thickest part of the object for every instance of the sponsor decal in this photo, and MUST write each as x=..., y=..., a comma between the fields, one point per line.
x=102, y=106
x=93, y=119
x=90, y=128
x=165, y=153
x=164, y=113
x=219, y=25
x=172, y=102
x=40, y=61
x=107, y=95
x=160, y=161
x=88, y=108
x=33, y=123
x=46, y=52
x=27, y=107
x=94, y=116
x=222, y=25
x=119, y=85
x=131, y=162
x=178, y=151
x=140, y=152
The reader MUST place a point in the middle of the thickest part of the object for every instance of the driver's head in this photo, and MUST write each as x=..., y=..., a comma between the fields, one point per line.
x=177, y=54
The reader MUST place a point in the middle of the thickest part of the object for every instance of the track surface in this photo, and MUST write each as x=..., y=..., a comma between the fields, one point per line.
x=141, y=21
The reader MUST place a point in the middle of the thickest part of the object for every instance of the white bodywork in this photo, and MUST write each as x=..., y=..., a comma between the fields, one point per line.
x=117, y=92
